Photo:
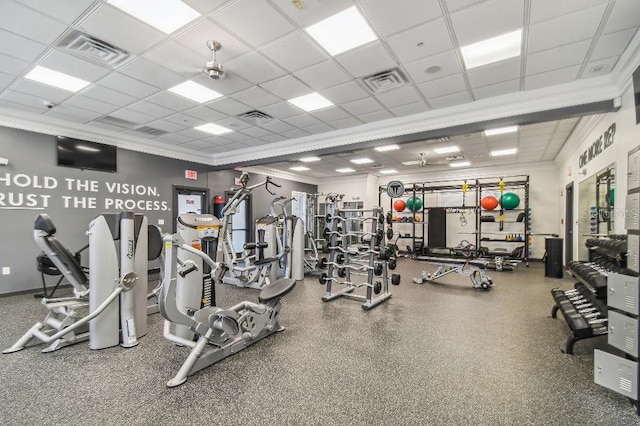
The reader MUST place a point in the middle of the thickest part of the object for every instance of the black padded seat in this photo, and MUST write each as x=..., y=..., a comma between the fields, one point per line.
x=67, y=259
x=154, y=242
x=276, y=289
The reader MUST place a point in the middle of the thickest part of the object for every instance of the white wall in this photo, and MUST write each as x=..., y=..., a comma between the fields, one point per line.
x=355, y=188
x=626, y=137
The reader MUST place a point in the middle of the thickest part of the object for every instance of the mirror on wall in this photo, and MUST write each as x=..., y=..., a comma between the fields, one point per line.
x=596, y=207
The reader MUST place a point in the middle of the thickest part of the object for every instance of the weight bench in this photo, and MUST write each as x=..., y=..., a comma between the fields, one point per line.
x=474, y=269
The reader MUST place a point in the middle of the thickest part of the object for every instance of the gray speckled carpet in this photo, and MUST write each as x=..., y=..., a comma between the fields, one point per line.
x=433, y=354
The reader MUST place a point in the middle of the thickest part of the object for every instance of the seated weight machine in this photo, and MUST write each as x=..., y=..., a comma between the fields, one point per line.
x=249, y=270
x=289, y=239
x=116, y=297
x=219, y=332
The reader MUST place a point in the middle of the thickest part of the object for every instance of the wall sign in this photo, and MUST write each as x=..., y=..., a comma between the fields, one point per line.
x=395, y=189
x=598, y=146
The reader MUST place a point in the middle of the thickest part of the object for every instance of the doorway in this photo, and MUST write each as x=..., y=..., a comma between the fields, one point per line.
x=568, y=224
x=189, y=200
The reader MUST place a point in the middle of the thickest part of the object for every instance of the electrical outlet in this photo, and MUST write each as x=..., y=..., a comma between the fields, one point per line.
x=6, y=270
x=160, y=221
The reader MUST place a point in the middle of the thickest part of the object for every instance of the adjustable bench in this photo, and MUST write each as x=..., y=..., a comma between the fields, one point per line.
x=474, y=269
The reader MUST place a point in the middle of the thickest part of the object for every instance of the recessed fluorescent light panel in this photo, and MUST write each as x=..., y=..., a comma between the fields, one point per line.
x=311, y=102
x=309, y=159
x=345, y=170
x=341, y=32
x=446, y=149
x=460, y=164
x=214, y=129
x=194, y=91
x=388, y=171
x=165, y=15
x=387, y=148
x=299, y=168
x=411, y=163
x=362, y=161
x=501, y=152
x=492, y=50
x=56, y=79
x=501, y=131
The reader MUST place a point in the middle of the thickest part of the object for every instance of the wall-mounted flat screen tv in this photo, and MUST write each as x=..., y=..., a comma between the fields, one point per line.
x=87, y=155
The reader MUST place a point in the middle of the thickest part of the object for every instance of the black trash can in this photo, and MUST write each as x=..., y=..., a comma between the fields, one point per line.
x=553, y=258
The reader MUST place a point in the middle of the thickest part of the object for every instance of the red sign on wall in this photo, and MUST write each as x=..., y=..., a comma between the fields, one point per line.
x=191, y=174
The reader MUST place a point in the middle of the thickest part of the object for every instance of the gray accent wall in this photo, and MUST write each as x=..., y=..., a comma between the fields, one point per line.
x=32, y=184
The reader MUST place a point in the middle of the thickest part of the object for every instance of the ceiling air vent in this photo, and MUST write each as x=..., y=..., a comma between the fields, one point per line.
x=377, y=166
x=255, y=117
x=93, y=49
x=150, y=131
x=118, y=122
x=454, y=157
x=385, y=80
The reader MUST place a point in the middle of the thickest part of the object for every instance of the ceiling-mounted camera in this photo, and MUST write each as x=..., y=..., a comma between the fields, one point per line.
x=47, y=104
x=213, y=69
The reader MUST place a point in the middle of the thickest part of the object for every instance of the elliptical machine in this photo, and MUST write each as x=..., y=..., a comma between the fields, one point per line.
x=223, y=331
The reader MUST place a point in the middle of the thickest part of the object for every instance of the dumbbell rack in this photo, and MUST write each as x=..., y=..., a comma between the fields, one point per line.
x=346, y=262
x=620, y=373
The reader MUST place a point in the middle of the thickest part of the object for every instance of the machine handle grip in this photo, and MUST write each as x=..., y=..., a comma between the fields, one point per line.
x=252, y=246
x=186, y=271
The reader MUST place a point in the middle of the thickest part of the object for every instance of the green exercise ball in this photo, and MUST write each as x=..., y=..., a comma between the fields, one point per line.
x=612, y=196
x=410, y=203
x=414, y=204
x=509, y=201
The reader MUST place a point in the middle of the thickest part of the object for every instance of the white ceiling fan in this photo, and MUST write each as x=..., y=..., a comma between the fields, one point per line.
x=213, y=69
x=424, y=161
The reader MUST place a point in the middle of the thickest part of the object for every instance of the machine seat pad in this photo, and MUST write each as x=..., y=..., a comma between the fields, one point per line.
x=265, y=261
x=276, y=289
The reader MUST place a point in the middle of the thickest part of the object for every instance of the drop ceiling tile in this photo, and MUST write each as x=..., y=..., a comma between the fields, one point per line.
x=447, y=61
x=194, y=134
x=599, y=67
x=565, y=29
x=330, y=114
x=319, y=128
x=83, y=114
x=129, y=33
x=303, y=120
x=400, y=96
x=625, y=14
x=24, y=99
x=256, y=22
x=11, y=65
x=5, y=79
x=453, y=5
x=256, y=132
x=198, y=144
x=294, y=52
x=20, y=47
x=150, y=109
x=255, y=68
x=227, y=85
x=368, y=60
x=128, y=85
x=230, y=139
x=204, y=113
x=66, y=117
x=109, y=96
x=228, y=106
x=497, y=89
x=375, y=116
x=281, y=110
x=256, y=97
x=106, y=126
x=313, y=11
x=345, y=92
x=171, y=101
x=152, y=73
x=42, y=91
x=391, y=17
x=409, y=109
x=195, y=38
x=167, y=126
x=612, y=44
x=232, y=123
x=130, y=115
x=450, y=100
x=69, y=64
x=28, y=23
x=277, y=126
x=494, y=73
x=560, y=57
x=497, y=17
x=323, y=75
x=287, y=87
x=274, y=138
x=543, y=10
x=551, y=78
x=176, y=58
x=173, y=138
x=443, y=86
x=66, y=11
x=205, y=6
x=294, y=134
x=362, y=106
x=422, y=41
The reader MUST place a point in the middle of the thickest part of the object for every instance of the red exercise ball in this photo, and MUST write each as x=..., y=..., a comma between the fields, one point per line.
x=399, y=205
x=489, y=202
